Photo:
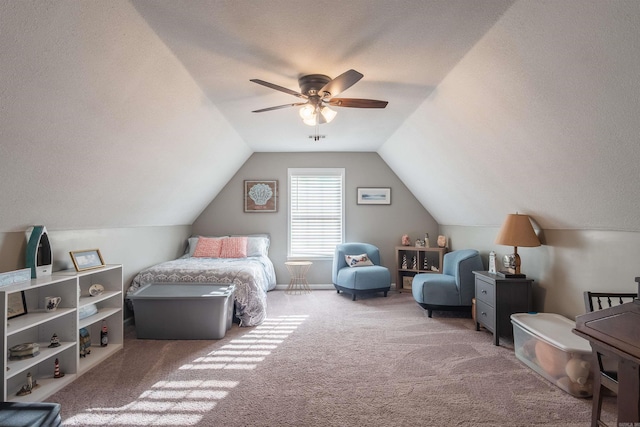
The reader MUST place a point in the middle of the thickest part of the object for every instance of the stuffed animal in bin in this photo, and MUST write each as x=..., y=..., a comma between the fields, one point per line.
x=578, y=381
x=550, y=359
x=578, y=370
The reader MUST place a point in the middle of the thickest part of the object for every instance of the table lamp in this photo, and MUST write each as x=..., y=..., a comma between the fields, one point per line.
x=516, y=231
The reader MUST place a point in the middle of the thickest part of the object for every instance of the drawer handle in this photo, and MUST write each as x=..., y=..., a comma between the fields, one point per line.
x=484, y=291
x=484, y=314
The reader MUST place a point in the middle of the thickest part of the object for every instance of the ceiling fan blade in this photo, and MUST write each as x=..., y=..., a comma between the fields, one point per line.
x=356, y=103
x=280, y=88
x=341, y=83
x=297, y=104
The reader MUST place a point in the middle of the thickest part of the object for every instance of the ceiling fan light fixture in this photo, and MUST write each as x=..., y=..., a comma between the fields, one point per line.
x=312, y=121
x=328, y=114
x=308, y=112
x=318, y=90
x=312, y=116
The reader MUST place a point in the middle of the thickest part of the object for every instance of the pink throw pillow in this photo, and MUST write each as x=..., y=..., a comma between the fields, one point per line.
x=234, y=247
x=209, y=247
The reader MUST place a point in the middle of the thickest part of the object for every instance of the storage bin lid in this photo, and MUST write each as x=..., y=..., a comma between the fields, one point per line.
x=554, y=329
x=182, y=291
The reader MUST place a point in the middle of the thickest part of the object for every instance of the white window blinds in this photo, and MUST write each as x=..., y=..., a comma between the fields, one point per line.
x=316, y=212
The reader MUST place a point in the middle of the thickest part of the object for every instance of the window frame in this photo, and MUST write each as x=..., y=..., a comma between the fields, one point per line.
x=291, y=172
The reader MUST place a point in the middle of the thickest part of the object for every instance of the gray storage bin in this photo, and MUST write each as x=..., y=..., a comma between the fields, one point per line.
x=186, y=311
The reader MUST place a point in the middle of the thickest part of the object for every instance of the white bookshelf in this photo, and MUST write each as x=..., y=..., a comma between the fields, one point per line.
x=39, y=325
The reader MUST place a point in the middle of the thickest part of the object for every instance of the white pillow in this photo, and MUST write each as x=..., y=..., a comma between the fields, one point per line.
x=257, y=244
x=358, y=260
x=192, y=242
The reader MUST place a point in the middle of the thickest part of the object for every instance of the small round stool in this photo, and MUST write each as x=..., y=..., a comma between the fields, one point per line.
x=298, y=271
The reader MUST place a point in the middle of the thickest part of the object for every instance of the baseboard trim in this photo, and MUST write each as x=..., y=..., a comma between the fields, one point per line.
x=319, y=287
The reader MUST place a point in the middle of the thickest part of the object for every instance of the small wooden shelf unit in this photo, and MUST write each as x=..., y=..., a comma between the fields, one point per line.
x=428, y=260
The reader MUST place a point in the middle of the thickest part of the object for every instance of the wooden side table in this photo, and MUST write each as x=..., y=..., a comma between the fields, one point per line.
x=497, y=298
x=613, y=332
x=298, y=282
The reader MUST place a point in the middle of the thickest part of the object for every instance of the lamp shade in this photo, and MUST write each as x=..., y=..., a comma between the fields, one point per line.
x=517, y=231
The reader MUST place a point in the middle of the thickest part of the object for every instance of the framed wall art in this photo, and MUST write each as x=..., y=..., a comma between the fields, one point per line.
x=16, y=304
x=86, y=259
x=261, y=196
x=374, y=196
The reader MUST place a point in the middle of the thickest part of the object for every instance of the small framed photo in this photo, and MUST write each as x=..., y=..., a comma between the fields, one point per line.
x=374, y=196
x=16, y=305
x=261, y=196
x=86, y=259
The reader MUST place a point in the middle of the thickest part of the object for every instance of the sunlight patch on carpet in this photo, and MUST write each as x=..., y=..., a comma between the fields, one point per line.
x=187, y=394
x=182, y=402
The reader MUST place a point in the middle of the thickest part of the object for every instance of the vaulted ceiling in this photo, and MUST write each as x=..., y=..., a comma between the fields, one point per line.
x=404, y=49
x=110, y=109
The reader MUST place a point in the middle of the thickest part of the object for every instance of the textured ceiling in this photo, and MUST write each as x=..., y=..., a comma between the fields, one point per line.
x=404, y=49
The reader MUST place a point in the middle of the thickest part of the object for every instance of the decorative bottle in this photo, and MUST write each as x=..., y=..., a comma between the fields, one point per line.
x=426, y=240
x=104, y=335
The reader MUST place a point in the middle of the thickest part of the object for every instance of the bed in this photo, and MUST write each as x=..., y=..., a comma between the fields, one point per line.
x=241, y=260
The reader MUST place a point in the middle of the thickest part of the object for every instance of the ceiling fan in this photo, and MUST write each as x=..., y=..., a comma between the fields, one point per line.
x=319, y=91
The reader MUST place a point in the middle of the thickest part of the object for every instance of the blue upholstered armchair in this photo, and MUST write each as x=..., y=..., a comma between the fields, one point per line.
x=454, y=288
x=356, y=277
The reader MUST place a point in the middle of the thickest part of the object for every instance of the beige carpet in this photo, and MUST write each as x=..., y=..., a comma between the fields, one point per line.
x=324, y=360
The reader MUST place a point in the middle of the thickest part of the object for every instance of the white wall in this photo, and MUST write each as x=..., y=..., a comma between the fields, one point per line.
x=380, y=225
x=100, y=125
x=540, y=117
x=135, y=248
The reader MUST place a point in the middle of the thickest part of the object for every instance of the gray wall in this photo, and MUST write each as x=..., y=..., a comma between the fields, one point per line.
x=568, y=263
x=380, y=225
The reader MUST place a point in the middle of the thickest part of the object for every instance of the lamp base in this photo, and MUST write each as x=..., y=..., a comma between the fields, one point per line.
x=510, y=275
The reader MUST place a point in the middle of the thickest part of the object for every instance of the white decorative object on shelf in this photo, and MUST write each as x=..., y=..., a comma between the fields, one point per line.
x=51, y=303
x=492, y=262
x=38, y=256
x=95, y=290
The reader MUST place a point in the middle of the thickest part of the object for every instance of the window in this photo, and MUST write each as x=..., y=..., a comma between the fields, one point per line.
x=316, y=212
